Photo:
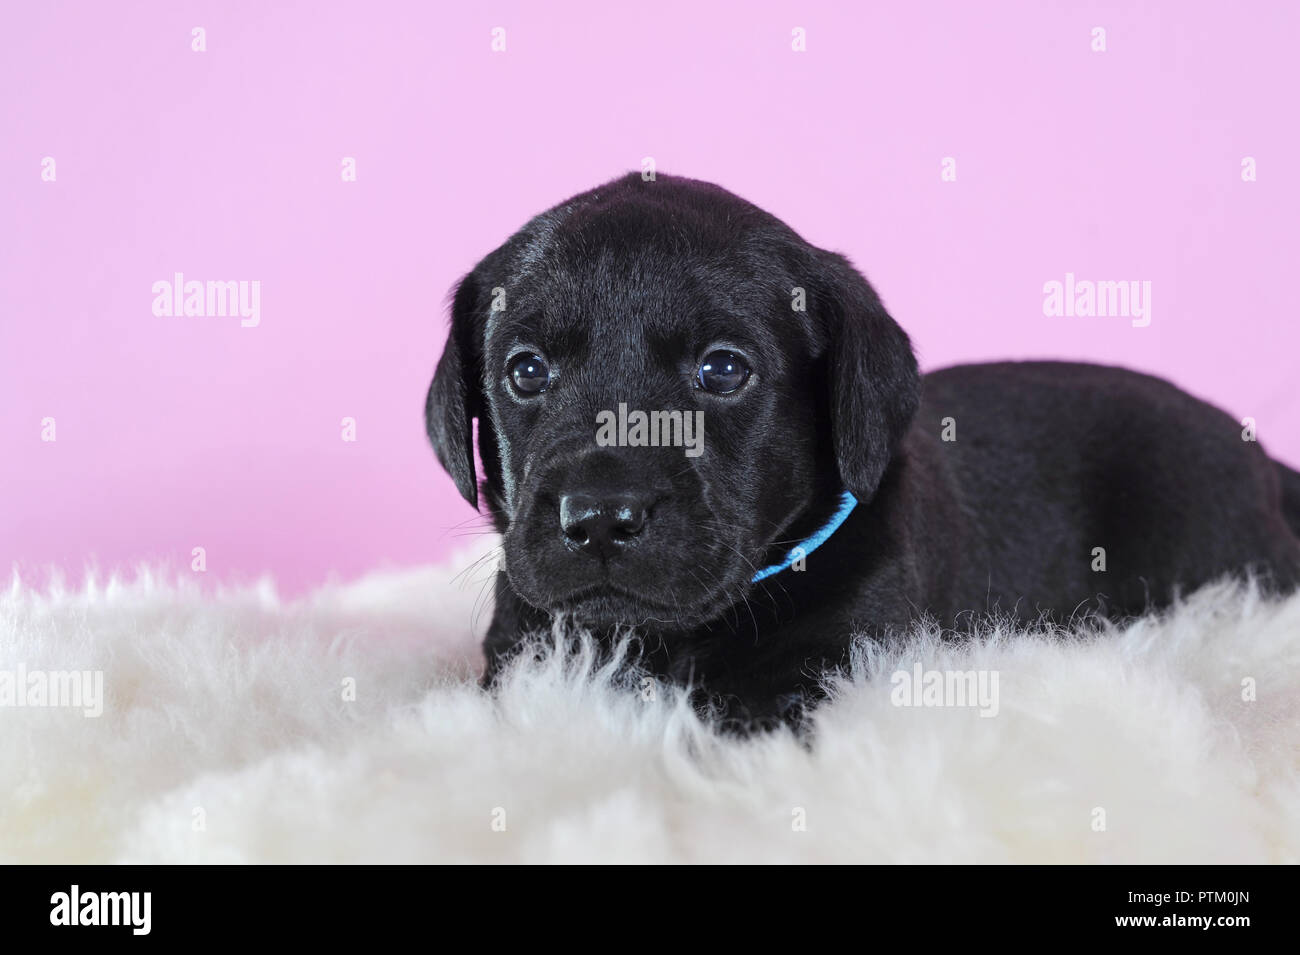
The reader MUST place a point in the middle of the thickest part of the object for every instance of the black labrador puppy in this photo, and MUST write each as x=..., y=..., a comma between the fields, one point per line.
x=696, y=424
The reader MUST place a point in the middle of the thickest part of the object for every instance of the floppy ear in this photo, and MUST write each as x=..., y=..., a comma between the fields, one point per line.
x=875, y=387
x=455, y=397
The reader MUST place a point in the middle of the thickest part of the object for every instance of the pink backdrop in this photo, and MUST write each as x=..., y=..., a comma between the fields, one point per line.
x=178, y=432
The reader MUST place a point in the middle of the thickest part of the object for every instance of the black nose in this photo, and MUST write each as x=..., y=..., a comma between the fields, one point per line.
x=602, y=525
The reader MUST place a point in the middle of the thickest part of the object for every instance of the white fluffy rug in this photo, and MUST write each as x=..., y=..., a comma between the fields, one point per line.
x=225, y=737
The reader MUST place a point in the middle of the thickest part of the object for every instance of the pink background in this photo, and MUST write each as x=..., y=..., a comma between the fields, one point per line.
x=182, y=432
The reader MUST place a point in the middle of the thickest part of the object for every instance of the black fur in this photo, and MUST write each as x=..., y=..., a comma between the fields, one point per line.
x=623, y=289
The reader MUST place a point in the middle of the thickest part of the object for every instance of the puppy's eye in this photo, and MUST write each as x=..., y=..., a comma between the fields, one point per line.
x=529, y=374
x=722, y=372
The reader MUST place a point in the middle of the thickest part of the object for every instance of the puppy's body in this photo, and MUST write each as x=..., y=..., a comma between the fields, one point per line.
x=1062, y=489
x=1050, y=462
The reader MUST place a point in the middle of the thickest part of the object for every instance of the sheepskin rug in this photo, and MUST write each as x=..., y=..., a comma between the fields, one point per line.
x=347, y=726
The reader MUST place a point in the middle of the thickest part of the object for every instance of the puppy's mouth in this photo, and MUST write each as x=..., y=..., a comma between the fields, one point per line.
x=608, y=605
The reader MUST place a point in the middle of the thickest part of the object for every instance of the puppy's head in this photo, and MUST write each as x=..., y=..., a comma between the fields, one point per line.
x=593, y=345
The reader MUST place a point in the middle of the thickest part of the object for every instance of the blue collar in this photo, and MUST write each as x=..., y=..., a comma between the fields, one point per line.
x=820, y=536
